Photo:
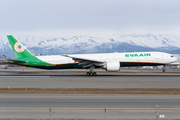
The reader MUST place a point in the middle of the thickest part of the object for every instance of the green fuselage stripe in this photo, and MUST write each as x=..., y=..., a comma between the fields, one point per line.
x=80, y=66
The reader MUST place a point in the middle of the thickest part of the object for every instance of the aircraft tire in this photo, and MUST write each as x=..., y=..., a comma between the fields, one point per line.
x=87, y=73
x=94, y=73
x=91, y=73
x=164, y=70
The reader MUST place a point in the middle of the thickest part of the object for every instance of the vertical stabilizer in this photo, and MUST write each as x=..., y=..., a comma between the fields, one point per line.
x=19, y=50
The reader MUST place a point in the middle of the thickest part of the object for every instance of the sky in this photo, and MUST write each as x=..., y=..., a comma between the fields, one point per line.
x=73, y=17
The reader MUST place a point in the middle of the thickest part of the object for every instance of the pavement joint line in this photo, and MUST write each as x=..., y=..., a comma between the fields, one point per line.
x=56, y=108
x=75, y=96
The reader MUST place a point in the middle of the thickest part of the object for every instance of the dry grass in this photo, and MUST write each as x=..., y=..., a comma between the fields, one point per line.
x=91, y=91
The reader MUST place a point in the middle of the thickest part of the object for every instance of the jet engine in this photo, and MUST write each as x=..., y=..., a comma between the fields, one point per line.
x=112, y=66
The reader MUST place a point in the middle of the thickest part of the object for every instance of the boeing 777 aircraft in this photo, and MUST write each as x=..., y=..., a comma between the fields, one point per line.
x=108, y=61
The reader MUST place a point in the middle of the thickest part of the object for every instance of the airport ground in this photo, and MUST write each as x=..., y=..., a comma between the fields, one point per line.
x=23, y=77
x=88, y=106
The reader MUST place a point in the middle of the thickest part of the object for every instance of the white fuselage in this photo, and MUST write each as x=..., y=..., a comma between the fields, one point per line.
x=133, y=57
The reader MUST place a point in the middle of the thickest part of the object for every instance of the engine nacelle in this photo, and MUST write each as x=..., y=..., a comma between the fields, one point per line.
x=112, y=66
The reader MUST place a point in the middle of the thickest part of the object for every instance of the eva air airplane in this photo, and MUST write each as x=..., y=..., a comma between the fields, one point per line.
x=108, y=61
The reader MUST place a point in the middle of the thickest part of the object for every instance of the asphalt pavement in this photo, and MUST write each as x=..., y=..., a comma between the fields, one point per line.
x=89, y=106
x=78, y=81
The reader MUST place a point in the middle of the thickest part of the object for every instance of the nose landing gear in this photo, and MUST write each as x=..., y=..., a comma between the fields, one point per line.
x=164, y=68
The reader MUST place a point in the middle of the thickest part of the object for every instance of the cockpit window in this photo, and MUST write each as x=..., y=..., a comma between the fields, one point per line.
x=172, y=56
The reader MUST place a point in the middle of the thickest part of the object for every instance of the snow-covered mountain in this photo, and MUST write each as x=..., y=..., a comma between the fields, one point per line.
x=96, y=44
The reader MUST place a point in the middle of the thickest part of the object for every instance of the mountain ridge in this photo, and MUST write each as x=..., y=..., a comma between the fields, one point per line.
x=96, y=44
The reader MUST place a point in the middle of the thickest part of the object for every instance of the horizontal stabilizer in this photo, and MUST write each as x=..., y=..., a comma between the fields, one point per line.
x=18, y=61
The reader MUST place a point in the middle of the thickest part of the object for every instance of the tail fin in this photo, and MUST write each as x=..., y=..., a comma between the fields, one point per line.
x=19, y=50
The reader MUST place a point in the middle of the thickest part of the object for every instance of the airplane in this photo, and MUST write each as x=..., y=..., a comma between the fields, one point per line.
x=108, y=61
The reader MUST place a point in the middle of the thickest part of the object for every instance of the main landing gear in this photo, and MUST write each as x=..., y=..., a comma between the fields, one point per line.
x=91, y=73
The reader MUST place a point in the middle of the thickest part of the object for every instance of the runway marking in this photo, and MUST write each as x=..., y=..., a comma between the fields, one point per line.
x=23, y=76
x=56, y=108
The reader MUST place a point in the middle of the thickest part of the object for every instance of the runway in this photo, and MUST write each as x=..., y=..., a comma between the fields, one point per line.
x=90, y=101
x=81, y=81
x=89, y=106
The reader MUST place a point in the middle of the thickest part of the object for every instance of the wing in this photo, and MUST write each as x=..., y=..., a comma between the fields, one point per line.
x=86, y=61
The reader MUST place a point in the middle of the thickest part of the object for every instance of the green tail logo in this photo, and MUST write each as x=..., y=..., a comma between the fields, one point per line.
x=19, y=47
x=19, y=50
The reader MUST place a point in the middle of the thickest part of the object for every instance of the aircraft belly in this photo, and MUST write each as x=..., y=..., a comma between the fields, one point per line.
x=126, y=64
x=61, y=66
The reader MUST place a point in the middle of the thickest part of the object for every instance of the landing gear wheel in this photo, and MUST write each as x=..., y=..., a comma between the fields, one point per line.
x=164, y=70
x=94, y=73
x=87, y=73
x=91, y=73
